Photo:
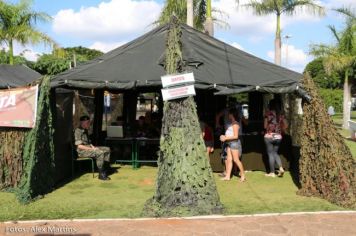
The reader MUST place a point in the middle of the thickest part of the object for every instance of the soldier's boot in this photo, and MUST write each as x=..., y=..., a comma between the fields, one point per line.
x=102, y=174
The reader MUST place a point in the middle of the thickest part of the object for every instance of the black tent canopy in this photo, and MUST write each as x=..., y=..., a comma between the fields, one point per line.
x=12, y=76
x=216, y=65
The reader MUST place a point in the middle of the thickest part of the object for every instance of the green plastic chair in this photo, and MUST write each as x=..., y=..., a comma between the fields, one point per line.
x=77, y=158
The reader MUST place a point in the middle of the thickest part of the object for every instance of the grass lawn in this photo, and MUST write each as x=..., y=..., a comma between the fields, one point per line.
x=126, y=193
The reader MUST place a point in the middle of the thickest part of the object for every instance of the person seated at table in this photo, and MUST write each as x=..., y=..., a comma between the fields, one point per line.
x=141, y=129
x=154, y=128
x=86, y=149
x=148, y=117
x=119, y=121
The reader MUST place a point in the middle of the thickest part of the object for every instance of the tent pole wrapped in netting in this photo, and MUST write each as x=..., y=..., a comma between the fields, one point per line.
x=327, y=168
x=38, y=152
x=185, y=183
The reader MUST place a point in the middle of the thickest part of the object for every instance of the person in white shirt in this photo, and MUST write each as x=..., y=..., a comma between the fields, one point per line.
x=233, y=144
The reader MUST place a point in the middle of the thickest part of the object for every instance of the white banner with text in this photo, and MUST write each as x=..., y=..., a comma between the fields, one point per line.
x=18, y=107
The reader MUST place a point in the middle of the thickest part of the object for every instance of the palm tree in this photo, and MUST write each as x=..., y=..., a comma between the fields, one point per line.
x=190, y=14
x=179, y=9
x=17, y=23
x=341, y=57
x=209, y=25
x=279, y=7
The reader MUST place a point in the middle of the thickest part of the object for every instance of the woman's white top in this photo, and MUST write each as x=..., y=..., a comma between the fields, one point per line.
x=229, y=131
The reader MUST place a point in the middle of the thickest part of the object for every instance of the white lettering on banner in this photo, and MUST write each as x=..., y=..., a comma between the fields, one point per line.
x=18, y=107
x=7, y=101
x=174, y=93
x=169, y=80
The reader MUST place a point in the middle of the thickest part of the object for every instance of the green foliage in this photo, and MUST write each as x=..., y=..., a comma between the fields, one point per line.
x=327, y=168
x=324, y=80
x=278, y=8
x=17, y=23
x=290, y=7
x=178, y=8
x=340, y=57
x=241, y=97
x=27, y=156
x=18, y=60
x=38, y=152
x=332, y=97
x=48, y=64
x=62, y=59
x=347, y=39
x=82, y=53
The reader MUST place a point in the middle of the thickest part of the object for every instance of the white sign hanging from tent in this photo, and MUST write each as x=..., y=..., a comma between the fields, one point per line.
x=177, y=86
x=178, y=92
x=171, y=80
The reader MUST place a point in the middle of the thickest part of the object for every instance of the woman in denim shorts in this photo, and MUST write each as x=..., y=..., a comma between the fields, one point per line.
x=233, y=149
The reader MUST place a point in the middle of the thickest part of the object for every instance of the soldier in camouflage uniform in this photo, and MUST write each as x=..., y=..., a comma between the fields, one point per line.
x=86, y=149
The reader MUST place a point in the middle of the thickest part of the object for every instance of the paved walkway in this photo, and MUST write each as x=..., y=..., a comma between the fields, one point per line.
x=333, y=224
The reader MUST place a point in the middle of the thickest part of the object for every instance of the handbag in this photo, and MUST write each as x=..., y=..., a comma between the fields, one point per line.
x=276, y=136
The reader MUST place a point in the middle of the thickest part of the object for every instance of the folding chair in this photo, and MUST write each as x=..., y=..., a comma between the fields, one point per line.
x=77, y=158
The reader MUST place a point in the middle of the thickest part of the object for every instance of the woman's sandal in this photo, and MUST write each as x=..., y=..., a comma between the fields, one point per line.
x=224, y=179
x=222, y=174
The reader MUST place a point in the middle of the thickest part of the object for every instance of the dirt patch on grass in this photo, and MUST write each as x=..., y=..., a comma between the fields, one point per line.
x=147, y=182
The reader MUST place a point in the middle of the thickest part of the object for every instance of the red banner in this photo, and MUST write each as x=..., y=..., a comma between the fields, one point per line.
x=18, y=107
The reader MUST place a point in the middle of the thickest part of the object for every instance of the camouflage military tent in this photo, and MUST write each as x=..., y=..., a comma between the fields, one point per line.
x=216, y=65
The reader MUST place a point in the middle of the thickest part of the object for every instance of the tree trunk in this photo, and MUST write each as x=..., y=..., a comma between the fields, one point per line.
x=190, y=14
x=327, y=168
x=209, y=24
x=347, y=102
x=11, y=52
x=277, y=42
x=185, y=183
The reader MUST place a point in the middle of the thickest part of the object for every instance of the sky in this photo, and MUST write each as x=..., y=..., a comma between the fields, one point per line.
x=105, y=25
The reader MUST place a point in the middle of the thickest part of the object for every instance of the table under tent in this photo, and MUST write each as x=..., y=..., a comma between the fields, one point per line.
x=135, y=68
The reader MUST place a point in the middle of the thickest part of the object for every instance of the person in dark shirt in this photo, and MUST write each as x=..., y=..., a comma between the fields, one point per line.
x=208, y=137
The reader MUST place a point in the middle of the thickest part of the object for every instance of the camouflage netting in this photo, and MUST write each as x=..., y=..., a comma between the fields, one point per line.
x=296, y=123
x=294, y=119
x=38, y=151
x=12, y=141
x=185, y=183
x=83, y=106
x=327, y=168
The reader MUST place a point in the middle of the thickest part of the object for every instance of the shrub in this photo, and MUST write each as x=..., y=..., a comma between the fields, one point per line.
x=332, y=97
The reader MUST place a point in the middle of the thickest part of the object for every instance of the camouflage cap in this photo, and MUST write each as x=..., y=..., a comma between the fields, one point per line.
x=84, y=118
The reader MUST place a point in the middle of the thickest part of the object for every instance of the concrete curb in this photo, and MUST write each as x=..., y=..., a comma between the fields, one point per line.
x=182, y=218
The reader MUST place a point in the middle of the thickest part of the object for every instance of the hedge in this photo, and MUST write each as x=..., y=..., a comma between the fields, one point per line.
x=332, y=97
